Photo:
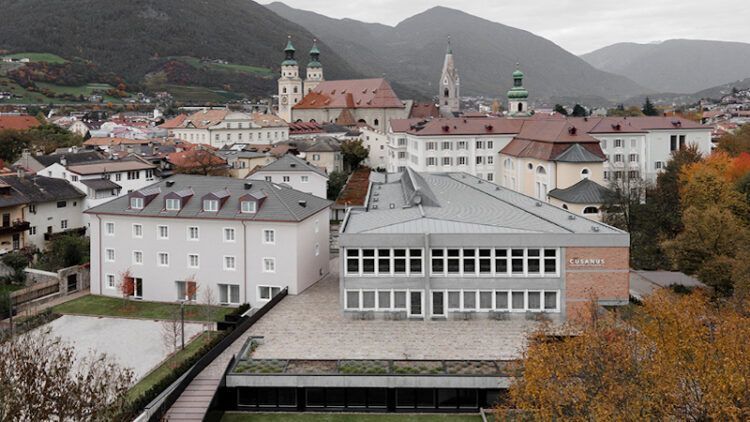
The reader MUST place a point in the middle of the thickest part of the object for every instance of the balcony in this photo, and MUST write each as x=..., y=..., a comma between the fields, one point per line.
x=14, y=227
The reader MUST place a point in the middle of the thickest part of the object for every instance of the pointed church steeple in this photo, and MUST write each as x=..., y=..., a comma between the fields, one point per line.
x=518, y=95
x=449, y=95
x=314, y=69
x=289, y=84
x=289, y=52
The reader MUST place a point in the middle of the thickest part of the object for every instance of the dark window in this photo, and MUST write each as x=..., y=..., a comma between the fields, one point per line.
x=534, y=261
x=415, y=265
x=501, y=300
x=62, y=204
x=467, y=399
x=356, y=397
x=352, y=265
x=377, y=397
x=6, y=219
x=406, y=398
x=517, y=261
x=501, y=261
x=316, y=397
x=247, y=396
x=550, y=263
x=267, y=397
x=287, y=397
x=550, y=300
x=673, y=143
x=336, y=397
x=447, y=398
x=425, y=398
x=438, y=307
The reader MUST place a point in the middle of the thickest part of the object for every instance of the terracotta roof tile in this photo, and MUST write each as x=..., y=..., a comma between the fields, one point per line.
x=352, y=93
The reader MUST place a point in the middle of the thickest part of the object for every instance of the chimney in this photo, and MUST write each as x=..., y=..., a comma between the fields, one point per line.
x=248, y=186
x=302, y=204
x=63, y=161
x=20, y=173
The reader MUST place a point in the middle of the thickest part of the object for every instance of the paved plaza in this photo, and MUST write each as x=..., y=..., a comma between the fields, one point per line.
x=311, y=326
x=133, y=343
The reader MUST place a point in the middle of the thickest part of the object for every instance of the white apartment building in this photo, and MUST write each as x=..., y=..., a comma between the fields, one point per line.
x=220, y=127
x=468, y=145
x=295, y=173
x=377, y=143
x=243, y=240
x=104, y=180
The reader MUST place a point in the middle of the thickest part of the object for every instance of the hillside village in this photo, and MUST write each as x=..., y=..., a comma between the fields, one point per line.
x=337, y=246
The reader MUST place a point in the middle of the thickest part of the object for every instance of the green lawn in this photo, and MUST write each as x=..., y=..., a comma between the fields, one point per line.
x=229, y=67
x=9, y=288
x=116, y=307
x=344, y=417
x=201, y=94
x=38, y=57
x=166, y=367
x=85, y=90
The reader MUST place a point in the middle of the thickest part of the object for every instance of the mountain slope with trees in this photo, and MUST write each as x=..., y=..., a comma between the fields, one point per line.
x=486, y=53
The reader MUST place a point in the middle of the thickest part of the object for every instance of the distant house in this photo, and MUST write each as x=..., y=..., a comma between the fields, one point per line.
x=296, y=173
x=324, y=152
x=35, y=163
x=18, y=122
x=241, y=161
x=220, y=127
x=13, y=223
x=53, y=207
x=198, y=160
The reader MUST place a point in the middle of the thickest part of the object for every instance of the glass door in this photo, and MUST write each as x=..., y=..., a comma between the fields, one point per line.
x=415, y=303
x=438, y=304
x=138, y=288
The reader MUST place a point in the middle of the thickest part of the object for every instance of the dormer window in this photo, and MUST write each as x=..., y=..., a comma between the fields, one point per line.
x=249, y=207
x=136, y=203
x=173, y=204
x=211, y=205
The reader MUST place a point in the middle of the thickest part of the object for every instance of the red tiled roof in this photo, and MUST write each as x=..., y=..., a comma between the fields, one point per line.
x=353, y=93
x=633, y=124
x=345, y=118
x=195, y=158
x=18, y=122
x=424, y=110
x=304, y=128
x=115, y=141
x=175, y=122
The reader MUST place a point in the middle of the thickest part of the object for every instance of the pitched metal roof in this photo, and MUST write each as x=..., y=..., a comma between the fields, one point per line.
x=578, y=154
x=38, y=189
x=101, y=184
x=281, y=203
x=288, y=163
x=462, y=202
x=584, y=192
x=71, y=158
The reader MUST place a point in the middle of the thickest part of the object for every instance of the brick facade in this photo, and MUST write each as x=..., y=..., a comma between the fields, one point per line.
x=601, y=274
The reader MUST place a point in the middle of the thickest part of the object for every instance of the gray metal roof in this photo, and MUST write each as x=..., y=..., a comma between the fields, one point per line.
x=578, y=154
x=289, y=163
x=70, y=157
x=584, y=192
x=101, y=184
x=463, y=204
x=39, y=189
x=280, y=203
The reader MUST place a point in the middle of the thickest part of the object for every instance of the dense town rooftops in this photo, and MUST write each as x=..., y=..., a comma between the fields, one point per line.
x=352, y=93
x=419, y=203
x=584, y=192
x=105, y=141
x=18, y=122
x=39, y=189
x=291, y=163
x=541, y=127
x=274, y=202
x=211, y=117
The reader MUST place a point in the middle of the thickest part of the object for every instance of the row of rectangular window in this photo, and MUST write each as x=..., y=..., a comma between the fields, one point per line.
x=619, y=174
x=389, y=300
x=406, y=262
x=448, y=145
x=461, y=161
x=193, y=261
x=162, y=232
x=229, y=294
x=209, y=205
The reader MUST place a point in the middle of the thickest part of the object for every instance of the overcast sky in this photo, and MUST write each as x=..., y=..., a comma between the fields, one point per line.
x=579, y=26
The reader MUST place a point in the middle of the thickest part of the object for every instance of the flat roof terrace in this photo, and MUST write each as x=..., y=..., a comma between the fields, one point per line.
x=310, y=326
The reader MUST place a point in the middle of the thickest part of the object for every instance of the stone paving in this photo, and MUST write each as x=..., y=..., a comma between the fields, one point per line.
x=311, y=326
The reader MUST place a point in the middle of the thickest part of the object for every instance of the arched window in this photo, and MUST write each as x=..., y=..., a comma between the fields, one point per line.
x=520, y=106
x=361, y=121
x=591, y=210
x=298, y=121
x=565, y=206
x=446, y=93
x=376, y=122
x=541, y=170
x=312, y=121
x=585, y=173
x=508, y=164
x=283, y=90
x=542, y=183
x=530, y=166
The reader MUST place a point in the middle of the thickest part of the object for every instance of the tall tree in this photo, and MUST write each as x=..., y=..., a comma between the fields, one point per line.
x=648, y=108
x=680, y=357
x=736, y=143
x=354, y=152
x=579, y=111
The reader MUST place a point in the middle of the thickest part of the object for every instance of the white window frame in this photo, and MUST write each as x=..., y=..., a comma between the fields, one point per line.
x=110, y=285
x=265, y=237
x=172, y=204
x=392, y=267
x=197, y=232
x=229, y=286
x=265, y=267
x=135, y=261
x=159, y=232
x=190, y=262
x=107, y=226
x=493, y=257
x=226, y=230
x=270, y=292
x=305, y=179
x=210, y=205
x=136, y=203
x=159, y=261
x=107, y=254
x=136, y=228
x=225, y=260
x=250, y=209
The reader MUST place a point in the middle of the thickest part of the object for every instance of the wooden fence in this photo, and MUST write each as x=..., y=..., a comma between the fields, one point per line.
x=34, y=292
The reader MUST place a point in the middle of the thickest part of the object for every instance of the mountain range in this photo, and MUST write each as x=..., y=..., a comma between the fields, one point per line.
x=411, y=53
x=235, y=46
x=676, y=66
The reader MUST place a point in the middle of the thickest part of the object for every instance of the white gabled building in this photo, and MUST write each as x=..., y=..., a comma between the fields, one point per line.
x=295, y=173
x=220, y=127
x=245, y=240
x=377, y=144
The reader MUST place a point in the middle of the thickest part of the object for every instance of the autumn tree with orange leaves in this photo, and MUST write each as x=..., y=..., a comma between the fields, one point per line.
x=679, y=357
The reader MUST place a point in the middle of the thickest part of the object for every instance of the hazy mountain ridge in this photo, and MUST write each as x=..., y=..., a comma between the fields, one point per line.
x=680, y=66
x=411, y=53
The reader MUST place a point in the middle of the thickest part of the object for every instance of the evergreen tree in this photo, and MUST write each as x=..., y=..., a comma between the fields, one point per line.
x=579, y=111
x=560, y=109
x=649, y=109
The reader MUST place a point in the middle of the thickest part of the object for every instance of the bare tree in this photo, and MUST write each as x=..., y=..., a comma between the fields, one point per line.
x=209, y=307
x=171, y=330
x=40, y=379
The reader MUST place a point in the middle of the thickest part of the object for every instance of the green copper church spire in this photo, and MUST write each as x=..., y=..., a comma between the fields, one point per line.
x=289, y=51
x=518, y=92
x=314, y=55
